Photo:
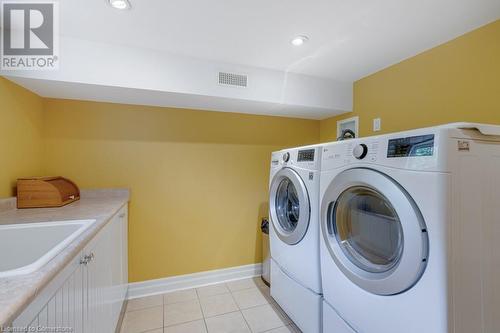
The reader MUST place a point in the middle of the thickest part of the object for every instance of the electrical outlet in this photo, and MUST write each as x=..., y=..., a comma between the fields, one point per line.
x=377, y=124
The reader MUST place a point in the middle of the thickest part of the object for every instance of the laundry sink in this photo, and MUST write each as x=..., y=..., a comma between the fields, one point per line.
x=24, y=248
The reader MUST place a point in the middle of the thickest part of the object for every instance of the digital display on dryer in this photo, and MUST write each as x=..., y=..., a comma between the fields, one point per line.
x=422, y=145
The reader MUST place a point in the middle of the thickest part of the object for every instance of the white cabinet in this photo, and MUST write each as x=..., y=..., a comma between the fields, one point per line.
x=105, y=275
x=119, y=271
x=88, y=294
x=98, y=266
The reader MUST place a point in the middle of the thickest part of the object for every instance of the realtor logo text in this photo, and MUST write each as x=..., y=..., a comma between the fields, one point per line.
x=30, y=36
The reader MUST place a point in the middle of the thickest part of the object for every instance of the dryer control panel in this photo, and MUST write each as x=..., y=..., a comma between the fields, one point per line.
x=421, y=145
x=346, y=152
x=413, y=150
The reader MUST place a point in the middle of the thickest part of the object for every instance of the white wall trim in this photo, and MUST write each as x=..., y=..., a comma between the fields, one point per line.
x=179, y=282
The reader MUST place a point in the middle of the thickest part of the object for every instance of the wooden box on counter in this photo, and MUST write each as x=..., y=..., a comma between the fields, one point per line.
x=46, y=192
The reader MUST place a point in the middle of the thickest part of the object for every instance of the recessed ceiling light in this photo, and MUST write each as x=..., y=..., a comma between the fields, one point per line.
x=299, y=40
x=120, y=4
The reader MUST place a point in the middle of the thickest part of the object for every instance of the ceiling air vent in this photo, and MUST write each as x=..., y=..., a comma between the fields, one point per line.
x=233, y=80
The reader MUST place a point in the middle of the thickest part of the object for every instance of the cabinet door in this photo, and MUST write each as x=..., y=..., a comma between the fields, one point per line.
x=60, y=304
x=97, y=284
x=124, y=251
x=119, y=263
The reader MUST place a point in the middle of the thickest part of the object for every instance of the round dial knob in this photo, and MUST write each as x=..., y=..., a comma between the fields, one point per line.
x=286, y=157
x=360, y=151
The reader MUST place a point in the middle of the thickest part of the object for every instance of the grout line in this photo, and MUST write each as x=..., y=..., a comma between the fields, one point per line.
x=246, y=321
x=224, y=293
x=151, y=330
x=184, y=322
x=244, y=289
x=145, y=308
x=241, y=312
x=163, y=313
x=184, y=301
x=202, y=311
x=255, y=306
x=223, y=314
x=206, y=326
x=234, y=300
x=272, y=329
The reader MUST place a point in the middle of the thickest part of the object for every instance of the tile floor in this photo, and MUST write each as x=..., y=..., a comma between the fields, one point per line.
x=233, y=307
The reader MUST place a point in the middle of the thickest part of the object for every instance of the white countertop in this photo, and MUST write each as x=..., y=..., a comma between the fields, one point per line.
x=17, y=292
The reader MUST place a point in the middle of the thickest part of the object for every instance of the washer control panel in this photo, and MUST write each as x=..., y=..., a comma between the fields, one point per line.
x=306, y=155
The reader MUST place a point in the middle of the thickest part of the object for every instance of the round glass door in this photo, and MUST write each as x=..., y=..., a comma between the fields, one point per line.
x=289, y=206
x=367, y=228
x=374, y=231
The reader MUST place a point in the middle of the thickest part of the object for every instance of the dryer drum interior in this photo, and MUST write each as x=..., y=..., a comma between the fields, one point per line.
x=374, y=231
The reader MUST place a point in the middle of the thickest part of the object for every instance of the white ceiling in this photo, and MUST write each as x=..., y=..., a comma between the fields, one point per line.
x=349, y=39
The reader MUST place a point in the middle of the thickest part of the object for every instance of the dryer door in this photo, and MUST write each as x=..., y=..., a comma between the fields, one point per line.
x=289, y=206
x=374, y=231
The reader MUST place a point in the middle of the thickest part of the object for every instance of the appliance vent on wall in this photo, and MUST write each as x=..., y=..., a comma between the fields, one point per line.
x=234, y=80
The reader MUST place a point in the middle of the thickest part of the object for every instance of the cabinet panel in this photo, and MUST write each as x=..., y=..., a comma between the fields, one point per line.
x=125, y=252
x=119, y=232
x=59, y=304
x=98, y=280
x=88, y=294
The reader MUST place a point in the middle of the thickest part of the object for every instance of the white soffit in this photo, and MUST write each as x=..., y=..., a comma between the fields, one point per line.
x=112, y=73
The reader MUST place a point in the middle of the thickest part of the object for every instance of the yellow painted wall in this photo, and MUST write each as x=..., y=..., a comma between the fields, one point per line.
x=456, y=81
x=199, y=179
x=20, y=135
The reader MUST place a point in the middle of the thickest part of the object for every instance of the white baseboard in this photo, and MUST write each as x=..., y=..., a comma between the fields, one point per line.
x=179, y=282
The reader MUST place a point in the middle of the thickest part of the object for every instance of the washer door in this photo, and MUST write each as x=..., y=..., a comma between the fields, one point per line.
x=289, y=206
x=374, y=231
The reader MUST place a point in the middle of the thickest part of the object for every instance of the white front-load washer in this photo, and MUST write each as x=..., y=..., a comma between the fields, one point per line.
x=294, y=235
x=410, y=230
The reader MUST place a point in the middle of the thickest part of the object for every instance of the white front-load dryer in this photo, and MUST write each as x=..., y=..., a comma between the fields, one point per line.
x=294, y=235
x=407, y=224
